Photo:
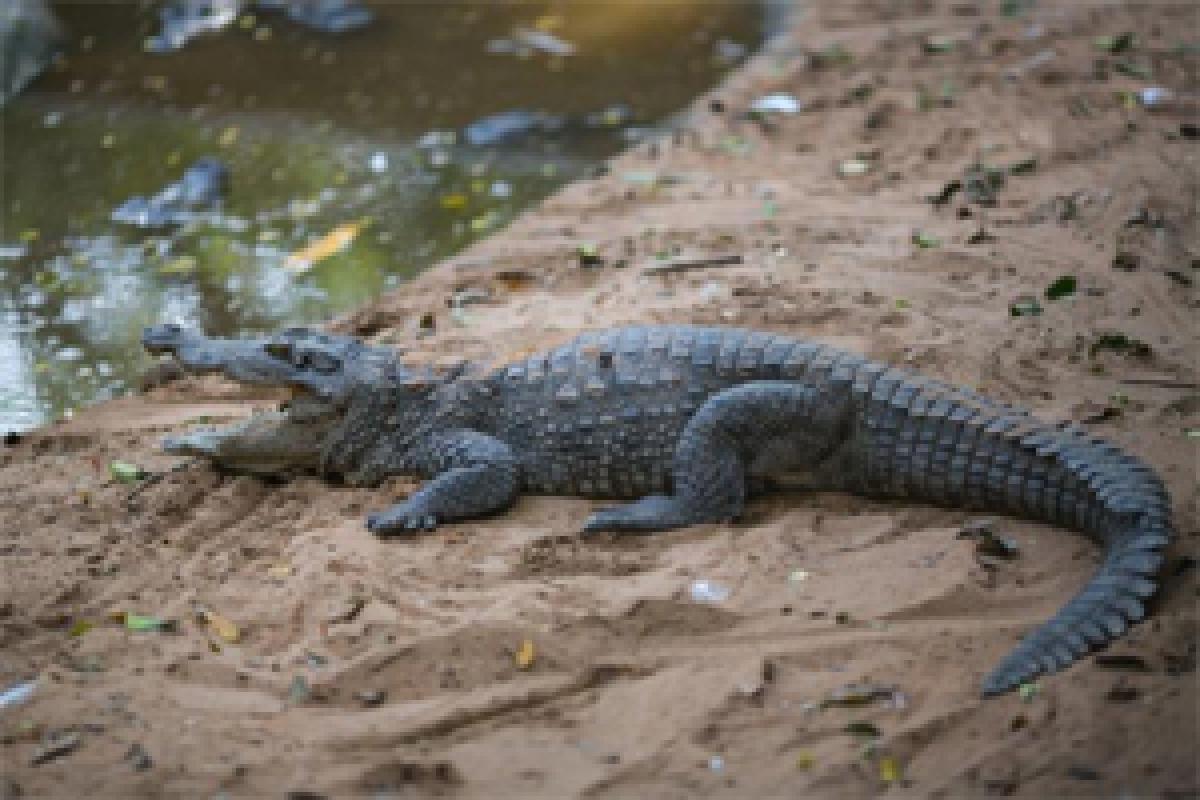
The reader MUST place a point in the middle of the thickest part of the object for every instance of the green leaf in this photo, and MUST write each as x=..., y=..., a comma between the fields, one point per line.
x=80, y=627
x=146, y=622
x=925, y=240
x=183, y=265
x=1023, y=167
x=863, y=728
x=1025, y=307
x=1133, y=70
x=1120, y=343
x=589, y=255
x=938, y=44
x=1015, y=8
x=125, y=472
x=1116, y=44
x=1063, y=287
x=946, y=194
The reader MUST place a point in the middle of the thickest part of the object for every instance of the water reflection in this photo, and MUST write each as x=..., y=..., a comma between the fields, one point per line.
x=324, y=137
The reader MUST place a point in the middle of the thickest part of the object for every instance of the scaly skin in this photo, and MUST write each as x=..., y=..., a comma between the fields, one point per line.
x=691, y=421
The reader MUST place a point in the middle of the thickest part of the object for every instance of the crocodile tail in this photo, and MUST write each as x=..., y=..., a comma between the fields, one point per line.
x=928, y=441
x=1122, y=503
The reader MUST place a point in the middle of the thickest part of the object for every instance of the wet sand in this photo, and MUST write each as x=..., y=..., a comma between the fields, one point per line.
x=394, y=668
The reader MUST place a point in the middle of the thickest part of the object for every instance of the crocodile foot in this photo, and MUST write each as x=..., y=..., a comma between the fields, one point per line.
x=396, y=521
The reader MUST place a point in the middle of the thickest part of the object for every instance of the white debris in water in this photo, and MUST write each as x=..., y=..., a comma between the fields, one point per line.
x=269, y=252
x=231, y=224
x=501, y=47
x=436, y=139
x=378, y=163
x=543, y=41
x=69, y=354
x=501, y=189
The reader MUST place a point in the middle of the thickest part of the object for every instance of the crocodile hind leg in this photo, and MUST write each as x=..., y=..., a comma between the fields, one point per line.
x=750, y=431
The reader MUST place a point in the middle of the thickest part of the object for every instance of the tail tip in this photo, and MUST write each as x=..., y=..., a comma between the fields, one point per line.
x=1008, y=677
x=994, y=685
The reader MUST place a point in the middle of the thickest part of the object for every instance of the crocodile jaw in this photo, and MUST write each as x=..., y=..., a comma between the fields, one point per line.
x=264, y=361
x=268, y=444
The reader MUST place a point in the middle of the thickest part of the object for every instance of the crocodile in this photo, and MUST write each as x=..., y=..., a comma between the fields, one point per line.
x=202, y=188
x=183, y=20
x=688, y=422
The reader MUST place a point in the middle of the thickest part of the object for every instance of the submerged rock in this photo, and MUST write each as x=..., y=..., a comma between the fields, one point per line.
x=506, y=126
x=183, y=20
x=29, y=36
x=202, y=188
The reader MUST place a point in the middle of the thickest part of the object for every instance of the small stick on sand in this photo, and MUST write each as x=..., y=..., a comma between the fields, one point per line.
x=1160, y=383
x=691, y=262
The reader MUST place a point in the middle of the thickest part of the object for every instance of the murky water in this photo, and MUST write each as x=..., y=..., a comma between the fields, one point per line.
x=322, y=135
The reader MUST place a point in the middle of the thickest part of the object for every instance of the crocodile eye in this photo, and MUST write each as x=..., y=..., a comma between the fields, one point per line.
x=322, y=362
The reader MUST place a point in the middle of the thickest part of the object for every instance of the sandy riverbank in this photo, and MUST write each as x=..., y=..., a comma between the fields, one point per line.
x=635, y=690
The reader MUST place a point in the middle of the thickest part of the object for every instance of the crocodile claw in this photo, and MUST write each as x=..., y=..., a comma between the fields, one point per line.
x=649, y=514
x=602, y=521
x=391, y=522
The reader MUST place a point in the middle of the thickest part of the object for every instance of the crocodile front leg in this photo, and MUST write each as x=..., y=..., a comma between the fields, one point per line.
x=750, y=431
x=473, y=474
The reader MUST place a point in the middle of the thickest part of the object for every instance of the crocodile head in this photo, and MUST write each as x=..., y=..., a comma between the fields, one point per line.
x=322, y=369
x=317, y=364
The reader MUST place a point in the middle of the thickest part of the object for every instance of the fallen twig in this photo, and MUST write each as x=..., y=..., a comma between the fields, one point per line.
x=1160, y=383
x=691, y=262
x=154, y=477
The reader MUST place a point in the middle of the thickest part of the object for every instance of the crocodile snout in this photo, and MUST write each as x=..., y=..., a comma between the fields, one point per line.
x=164, y=338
